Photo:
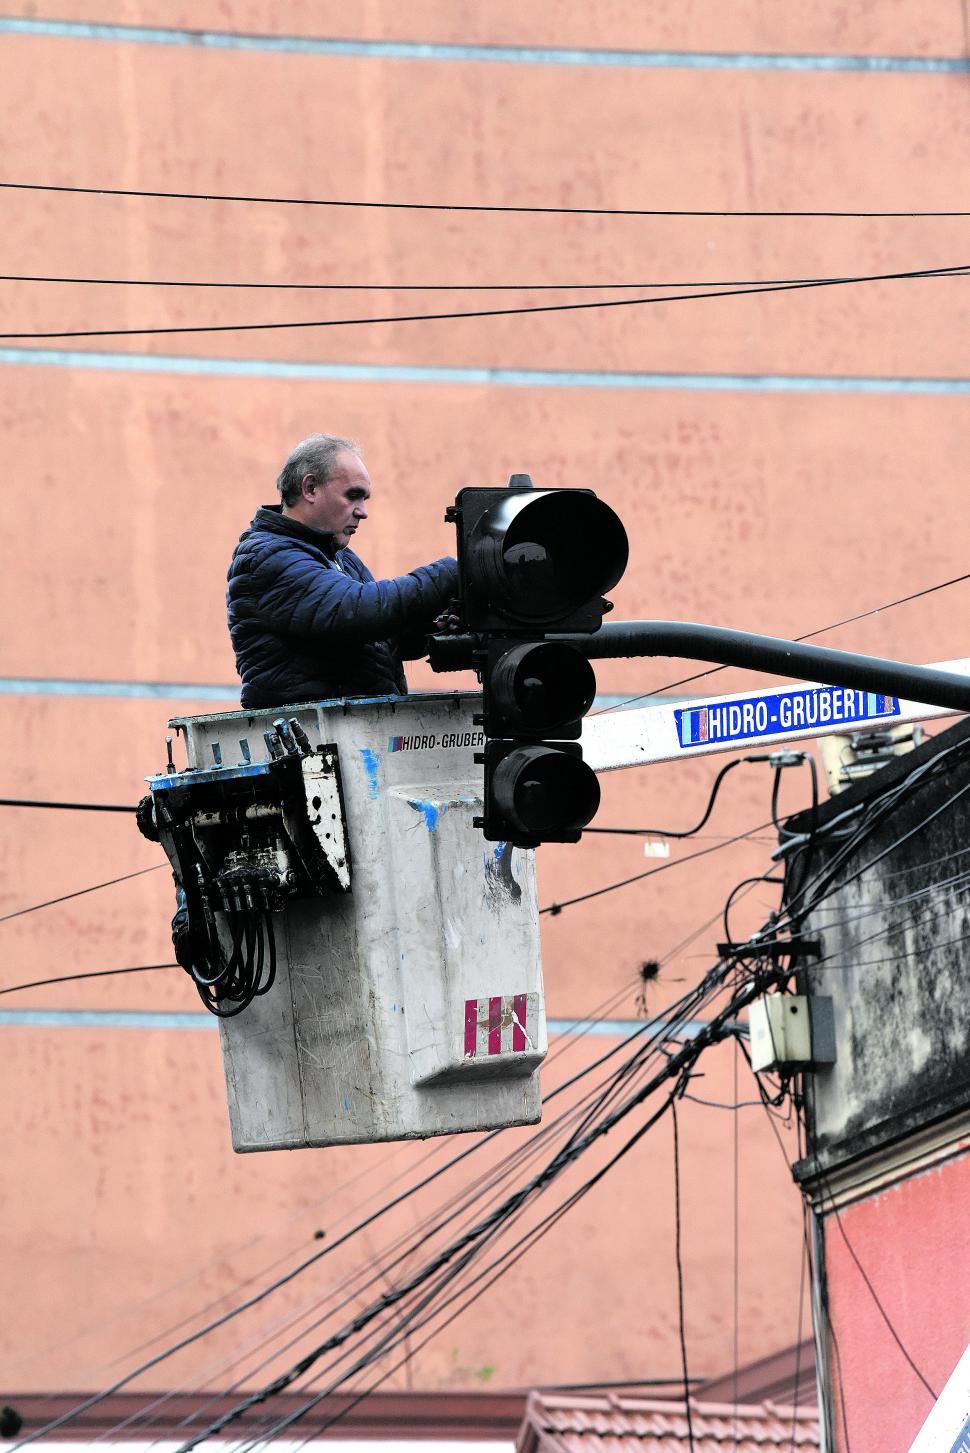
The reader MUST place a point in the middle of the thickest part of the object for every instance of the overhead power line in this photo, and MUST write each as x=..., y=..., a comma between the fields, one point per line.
x=451, y=1261
x=94, y=974
x=958, y=270
x=678, y=1258
x=556, y=908
x=472, y=1200
x=688, y=1003
x=432, y=1304
x=67, y=806
x=434, y=1286
x=459, y=287
x=203, y=1376
x=455, y=1257
x=682, y=832
x=490, y=207
x=691, y=1008
x=79, y=893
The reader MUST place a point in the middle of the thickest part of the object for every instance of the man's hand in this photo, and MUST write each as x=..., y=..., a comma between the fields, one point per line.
x=448, y=623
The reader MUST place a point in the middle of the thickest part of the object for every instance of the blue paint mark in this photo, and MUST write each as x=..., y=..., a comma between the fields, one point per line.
x=352, y=700
x=478, y=377
x=410, y=50
x=164, y=781
x=430, y=811
x=372, y=763
x=394, y=1008
x=346, y=1104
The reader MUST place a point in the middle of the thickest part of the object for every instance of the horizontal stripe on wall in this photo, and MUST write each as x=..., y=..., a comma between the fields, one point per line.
x=125, y=1019
x=266, y=368
x=155, y=690
x=192, y=691
x=505, y=54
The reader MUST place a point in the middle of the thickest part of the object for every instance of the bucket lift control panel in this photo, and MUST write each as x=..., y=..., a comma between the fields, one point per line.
x=242, y=840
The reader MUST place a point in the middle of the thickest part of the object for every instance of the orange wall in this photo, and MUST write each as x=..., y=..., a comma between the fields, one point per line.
x=748, y=504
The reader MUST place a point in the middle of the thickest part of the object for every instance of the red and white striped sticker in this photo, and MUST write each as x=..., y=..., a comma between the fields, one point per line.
x=501, y=1024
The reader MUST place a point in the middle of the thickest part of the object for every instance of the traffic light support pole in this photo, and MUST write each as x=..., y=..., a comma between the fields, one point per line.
x=772, y=653
x=672, y=728
x=741, y=648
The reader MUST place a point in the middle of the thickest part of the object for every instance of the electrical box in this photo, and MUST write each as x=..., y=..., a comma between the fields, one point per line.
x=859, y=754
x=790, y=1031
x=406, y=994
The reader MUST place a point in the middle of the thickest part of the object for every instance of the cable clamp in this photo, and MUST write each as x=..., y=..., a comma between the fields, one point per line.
x=773, y=948
x=785, y=758
x=797, y=840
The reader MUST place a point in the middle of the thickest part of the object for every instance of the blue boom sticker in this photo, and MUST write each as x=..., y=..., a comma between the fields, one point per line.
x=752, y=717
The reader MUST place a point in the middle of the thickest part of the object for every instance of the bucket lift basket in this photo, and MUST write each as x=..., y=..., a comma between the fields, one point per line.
x=405, y=998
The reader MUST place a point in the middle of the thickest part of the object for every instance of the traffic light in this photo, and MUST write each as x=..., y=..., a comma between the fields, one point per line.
x=536, y=791
x=536, y=559
x=534, y=563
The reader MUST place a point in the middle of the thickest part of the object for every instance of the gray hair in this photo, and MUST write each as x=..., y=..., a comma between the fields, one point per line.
x=315, y=455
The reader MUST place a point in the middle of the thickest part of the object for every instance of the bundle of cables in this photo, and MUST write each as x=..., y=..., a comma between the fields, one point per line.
x=228, y=976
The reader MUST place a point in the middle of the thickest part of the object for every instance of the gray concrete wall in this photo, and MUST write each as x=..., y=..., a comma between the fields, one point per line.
x=895, y=959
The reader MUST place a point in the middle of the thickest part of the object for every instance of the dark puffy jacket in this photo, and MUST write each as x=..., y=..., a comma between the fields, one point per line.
x=308, y=623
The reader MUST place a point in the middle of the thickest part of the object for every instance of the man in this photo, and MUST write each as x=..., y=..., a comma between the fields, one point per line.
x=307, y=618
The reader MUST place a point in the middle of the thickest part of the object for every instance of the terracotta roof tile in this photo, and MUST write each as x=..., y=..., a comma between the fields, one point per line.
x=570, y=1424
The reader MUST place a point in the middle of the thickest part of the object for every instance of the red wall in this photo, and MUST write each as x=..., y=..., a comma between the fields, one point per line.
x=913, y=1244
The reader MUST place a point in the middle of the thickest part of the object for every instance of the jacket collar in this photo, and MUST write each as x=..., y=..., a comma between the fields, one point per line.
x=271, y=519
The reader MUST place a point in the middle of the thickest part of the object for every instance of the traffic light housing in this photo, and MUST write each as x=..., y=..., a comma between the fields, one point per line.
x=534, y=564
x=536, y=559
x=537, y=792
x=537, y=688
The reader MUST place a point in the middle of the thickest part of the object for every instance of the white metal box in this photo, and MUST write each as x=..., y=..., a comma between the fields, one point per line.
x=791, y=1030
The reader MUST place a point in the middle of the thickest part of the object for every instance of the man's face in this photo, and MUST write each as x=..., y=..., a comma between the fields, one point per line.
x=337, y=507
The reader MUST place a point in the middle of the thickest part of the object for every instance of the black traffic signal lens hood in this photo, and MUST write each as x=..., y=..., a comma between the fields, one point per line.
x=545, y=792
x=544, y=687
x=541, y=555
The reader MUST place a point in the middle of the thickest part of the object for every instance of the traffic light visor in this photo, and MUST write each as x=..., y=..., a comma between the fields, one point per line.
x=547, y=553
x=542, y=687
x=545, y=791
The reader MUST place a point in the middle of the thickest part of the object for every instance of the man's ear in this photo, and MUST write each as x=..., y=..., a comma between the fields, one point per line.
x=308, y=486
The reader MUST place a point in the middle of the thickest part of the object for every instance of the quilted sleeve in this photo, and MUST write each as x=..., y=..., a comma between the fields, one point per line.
x=304, y=598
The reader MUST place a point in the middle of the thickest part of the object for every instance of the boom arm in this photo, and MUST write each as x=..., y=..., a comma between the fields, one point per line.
x=702, y=725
